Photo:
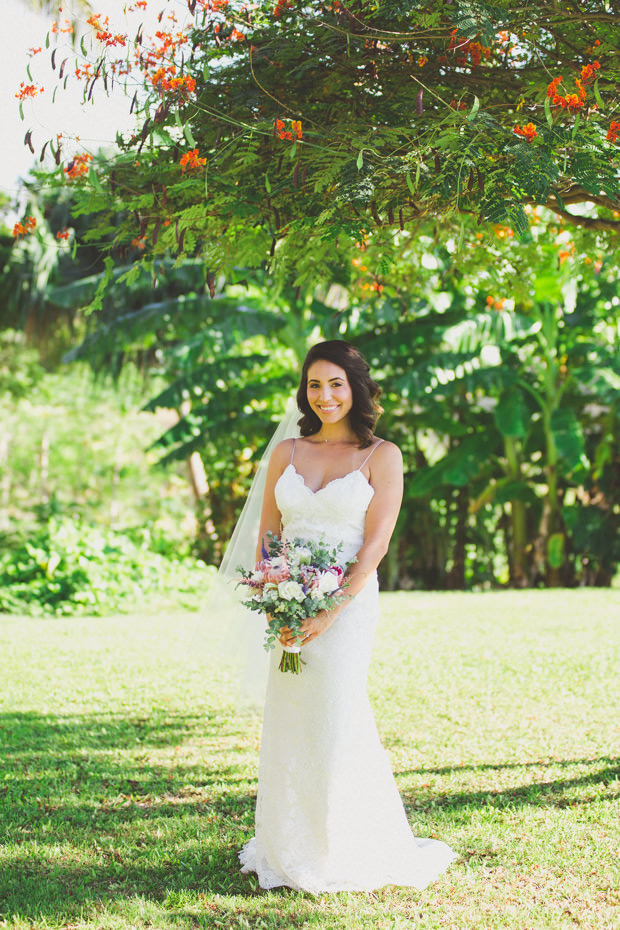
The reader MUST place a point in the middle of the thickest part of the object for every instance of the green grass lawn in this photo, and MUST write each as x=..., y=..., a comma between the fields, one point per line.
x=127, y=779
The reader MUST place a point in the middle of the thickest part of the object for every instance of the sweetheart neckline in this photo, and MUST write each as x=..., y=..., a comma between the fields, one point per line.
x=356, y=471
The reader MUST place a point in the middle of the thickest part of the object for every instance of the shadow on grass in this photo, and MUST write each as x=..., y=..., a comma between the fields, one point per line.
x=87, y=817
x=602, y=775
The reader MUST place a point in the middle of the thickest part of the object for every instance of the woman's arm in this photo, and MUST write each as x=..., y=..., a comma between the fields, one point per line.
x=270, y=515
x=386, y=478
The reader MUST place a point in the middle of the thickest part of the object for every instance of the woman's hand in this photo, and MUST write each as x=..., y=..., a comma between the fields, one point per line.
x=310, y=629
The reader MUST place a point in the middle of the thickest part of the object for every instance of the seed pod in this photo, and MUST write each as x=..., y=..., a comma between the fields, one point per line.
x=390, y=215
x=272, y=250
x=303, y=175
x=375, y=213
x=296, y=175
x=401, y=220
x=276, y=216
x=156, y=229
x=62, y=69
x=480, y=181
x=419, y=104
x=182, y=238
x=53, y=59
x=437, y=160
x=211, y=284
x=28, y=140
x=42, y=155
x=133, y=103
x=164, y=194
x=470, y=183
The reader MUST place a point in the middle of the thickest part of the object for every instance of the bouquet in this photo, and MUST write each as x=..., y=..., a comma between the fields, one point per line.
x=295, y=579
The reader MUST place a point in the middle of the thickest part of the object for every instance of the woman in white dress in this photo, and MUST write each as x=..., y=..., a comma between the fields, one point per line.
x=328, y=813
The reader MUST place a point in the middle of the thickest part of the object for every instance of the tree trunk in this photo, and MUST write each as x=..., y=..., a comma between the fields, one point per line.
x=456, y=575
x=517, y=530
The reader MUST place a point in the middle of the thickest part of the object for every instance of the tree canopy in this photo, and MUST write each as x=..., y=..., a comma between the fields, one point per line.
x=291, y=133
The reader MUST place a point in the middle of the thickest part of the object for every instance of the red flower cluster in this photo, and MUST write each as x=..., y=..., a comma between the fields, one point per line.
x=213, y=6
x=25, y=228
x=458, y=106
x=111, y=40
x=295, y=132
x=280, y=7
x=614, y=131
x=28, y=90
x=78, y=166
x=62, y=234
x=163, y=79
x=468, y=52
x=527, y=131
x=588, y=72
x=192, y=161
x=573, y=102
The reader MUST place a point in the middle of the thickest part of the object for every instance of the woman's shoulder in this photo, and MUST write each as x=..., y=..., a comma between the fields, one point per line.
x=385, y=453
x=385, y=447
x=283, y=450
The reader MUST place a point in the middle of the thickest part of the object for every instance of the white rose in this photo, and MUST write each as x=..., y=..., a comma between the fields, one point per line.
x=291, y=591
x=328, y=583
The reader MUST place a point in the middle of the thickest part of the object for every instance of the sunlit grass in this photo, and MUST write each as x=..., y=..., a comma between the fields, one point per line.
x=128, y=780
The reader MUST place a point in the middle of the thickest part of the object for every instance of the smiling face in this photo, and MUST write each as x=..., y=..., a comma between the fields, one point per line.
x=329, y=392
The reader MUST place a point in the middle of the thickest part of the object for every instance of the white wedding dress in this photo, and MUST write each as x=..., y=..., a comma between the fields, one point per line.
x=328, y=815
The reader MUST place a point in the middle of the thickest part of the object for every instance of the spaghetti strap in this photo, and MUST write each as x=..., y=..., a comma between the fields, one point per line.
x=293, y=451
x=369, y=454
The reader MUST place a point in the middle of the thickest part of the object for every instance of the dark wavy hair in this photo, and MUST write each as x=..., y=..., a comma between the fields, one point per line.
x=365, y=411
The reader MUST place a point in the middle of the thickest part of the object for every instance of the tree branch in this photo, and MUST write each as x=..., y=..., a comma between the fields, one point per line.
x=585, y=222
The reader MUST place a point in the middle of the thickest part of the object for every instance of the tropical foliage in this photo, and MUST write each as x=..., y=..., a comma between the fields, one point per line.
x=394, y=198
x=288, y=133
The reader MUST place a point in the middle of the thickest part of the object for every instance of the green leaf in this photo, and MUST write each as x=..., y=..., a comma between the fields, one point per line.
x=29, y=72
x=597, y=95
x=206, y=183
x=94, y=180
x=555, y=550
x=189, y=135
x=410, y=184
x=360, y=163
x=267, y=183
x=511, y=414
x=474, y=109
x=21, y=111
x=548, y=115
x=83, y=47
x=569, y=439
x=576, y=126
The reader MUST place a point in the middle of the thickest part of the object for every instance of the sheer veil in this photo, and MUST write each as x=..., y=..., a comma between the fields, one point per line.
x=241, y=642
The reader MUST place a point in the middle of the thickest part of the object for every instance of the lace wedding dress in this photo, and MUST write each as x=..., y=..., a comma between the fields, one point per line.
x=328, y=813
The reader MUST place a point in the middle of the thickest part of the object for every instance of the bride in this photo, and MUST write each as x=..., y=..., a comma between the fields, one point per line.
x=328, y=813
